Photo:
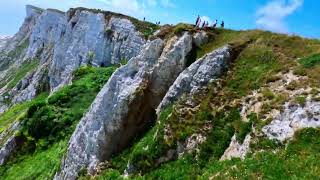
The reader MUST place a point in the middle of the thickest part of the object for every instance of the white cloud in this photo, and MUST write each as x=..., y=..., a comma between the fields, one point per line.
x=272, y=16
x=206, y=18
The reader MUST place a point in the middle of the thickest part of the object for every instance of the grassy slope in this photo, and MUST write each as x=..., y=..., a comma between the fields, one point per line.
x=298, y=161
x=68, y=105
x=265, y=56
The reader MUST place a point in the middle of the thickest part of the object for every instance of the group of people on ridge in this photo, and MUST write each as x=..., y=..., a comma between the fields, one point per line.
x=205, y=24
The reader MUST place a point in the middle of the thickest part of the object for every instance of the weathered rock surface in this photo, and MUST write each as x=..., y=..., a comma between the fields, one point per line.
x=64, y=41
x=88, y=38
x=293, y=118
x=32, y=14
x=8, y=142
x=81, y=37
x=236, y=149
x=200, y=38
x=198, y=75
x=125, y=105
x=3, y=41
x=32, y=85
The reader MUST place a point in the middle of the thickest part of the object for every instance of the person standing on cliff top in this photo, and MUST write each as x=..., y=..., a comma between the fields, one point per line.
x=198, y=24
x=197, y=21
x=215, y=24
x=222, y=24
x=203, y=24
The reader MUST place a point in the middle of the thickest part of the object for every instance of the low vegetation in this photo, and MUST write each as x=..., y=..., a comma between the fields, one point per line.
x=22, y=71
x=287, y=162
x=311, y=61
x=265, y=56
x=47, y=124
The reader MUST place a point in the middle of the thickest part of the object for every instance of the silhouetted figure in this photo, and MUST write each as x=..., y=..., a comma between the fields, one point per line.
x=144, y=19
x=197, y=21
x=203, y=24
x=215, y=24
x=222, y=24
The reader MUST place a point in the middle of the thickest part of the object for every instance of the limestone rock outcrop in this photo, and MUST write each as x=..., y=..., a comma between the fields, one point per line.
x=200, y=38
x=293, y=118
x=8, y=142
x=3, y=41
x=198, y=75
x=125, y=105
x=236, y=149
x=62, y=42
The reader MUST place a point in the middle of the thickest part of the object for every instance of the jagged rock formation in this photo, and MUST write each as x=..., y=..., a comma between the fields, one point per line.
x=125, y=104
x=198, y=75
x=258, y=98
x=64, y=41
x=61, y=43
x=236, y=149
x=3, y=41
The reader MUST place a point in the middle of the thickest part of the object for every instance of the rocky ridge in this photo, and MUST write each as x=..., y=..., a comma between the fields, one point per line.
x=155, y=74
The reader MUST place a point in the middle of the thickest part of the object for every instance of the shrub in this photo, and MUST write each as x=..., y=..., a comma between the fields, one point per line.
x=54, y=119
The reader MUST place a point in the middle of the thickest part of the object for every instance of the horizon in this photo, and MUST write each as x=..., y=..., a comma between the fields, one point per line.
x=279, y=16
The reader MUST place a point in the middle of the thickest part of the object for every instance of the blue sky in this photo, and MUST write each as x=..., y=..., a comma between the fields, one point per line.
x=286, y=16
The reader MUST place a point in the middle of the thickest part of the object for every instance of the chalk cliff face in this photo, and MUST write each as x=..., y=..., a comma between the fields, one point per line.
x=56, y=44
x=125, y=105
x=220, y=103
x=62, y=42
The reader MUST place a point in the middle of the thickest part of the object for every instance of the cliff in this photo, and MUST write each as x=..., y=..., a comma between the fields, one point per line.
x=95, y=94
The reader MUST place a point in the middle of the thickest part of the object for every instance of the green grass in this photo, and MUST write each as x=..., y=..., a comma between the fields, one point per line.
x=311, y=61
x=146, y=28
x=180, y=28
x=19, y=49
x=252, y=69
x=47, y=124
x=41, y=164
x=300, y=160
x=56, y=118
x=22, y=71
x=16, y=112
x=258, y=63
x=300, y=100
